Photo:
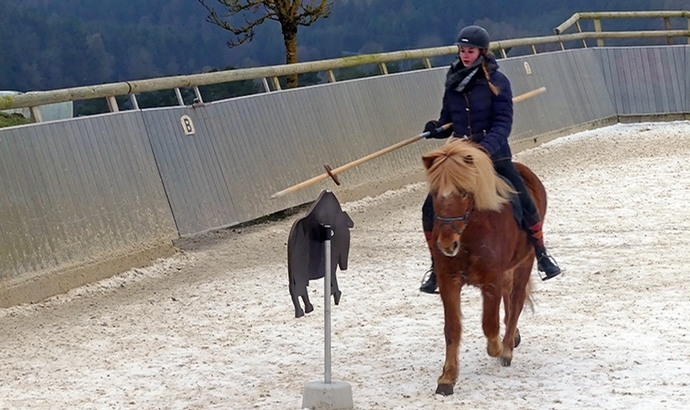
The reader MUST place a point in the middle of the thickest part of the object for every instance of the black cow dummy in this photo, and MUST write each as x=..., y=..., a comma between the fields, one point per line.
x=306, y=253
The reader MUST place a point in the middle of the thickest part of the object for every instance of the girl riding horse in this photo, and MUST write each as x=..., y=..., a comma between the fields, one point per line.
x=478, y=101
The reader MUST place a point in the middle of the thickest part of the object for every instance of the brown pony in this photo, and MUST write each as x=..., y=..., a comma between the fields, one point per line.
x=478, y=242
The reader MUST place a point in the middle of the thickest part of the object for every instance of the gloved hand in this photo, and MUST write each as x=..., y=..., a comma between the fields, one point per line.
x=430, y=127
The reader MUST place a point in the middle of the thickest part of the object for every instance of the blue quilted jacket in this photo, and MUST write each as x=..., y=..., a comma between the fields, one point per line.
x=479, y=114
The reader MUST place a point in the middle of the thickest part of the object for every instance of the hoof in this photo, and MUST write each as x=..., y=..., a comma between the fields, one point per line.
x=505, y=361
x=444, y=389
x=494, y=348
x=517, y=339
x=308, y=308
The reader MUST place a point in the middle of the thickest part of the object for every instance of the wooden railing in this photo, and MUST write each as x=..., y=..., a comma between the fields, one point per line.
x=269, y=75
x=596, y=17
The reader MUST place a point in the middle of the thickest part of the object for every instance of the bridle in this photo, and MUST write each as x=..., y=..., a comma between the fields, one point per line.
x=465, y=219
x=450, y=220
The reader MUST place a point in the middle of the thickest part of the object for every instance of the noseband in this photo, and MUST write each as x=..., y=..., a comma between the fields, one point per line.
x=465, y=219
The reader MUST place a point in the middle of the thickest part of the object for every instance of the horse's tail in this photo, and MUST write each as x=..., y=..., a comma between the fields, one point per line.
x=529, y=299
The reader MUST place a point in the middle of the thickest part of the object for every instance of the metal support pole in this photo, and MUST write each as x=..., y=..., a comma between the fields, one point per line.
x=178, y=94
x=133, y=100
x=198, y=94
x=328, y=234
x=267, y=88
x=329, y=394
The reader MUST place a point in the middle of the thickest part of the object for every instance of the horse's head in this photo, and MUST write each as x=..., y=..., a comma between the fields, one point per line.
x=461, y=179
x=452, y=216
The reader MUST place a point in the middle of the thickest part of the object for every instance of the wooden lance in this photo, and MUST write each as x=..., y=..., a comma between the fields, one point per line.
x=331, y=173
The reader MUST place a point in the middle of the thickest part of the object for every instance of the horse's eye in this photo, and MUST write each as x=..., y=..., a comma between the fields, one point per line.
x=464, y=195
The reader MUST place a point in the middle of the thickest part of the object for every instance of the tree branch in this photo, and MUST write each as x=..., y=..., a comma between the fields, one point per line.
x=244, y=33
x=310, y=13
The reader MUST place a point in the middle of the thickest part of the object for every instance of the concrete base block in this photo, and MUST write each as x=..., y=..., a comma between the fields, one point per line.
x=327, y=396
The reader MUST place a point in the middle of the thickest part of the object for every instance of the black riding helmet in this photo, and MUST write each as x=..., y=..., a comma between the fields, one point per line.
x=473, y=36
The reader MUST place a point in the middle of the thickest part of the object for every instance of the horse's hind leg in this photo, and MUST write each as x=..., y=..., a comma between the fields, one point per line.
x=518, y=338
x=335, y=290
x=295, y=301
x=506, y=304
x=308, y=307
x=514, y=302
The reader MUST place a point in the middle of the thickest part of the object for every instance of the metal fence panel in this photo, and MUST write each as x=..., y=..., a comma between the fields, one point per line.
x=647, y=80
x=188, y=164
x=573, y=96
x=685, y=62
x=78, y=191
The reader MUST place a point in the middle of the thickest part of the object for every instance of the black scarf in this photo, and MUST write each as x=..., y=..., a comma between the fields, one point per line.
x=458, y=75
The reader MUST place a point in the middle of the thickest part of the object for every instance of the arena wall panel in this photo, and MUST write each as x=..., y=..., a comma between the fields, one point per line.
x=684, y=68
x=77, y=193
x=573, y=96
x=196, y=186
x=647, y=80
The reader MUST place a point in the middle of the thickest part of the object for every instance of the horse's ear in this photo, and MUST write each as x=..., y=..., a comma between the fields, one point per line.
x=469, y=159
x=428, y=160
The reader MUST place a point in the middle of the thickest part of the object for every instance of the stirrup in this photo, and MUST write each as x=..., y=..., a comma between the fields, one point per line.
x=425, y=285
x=548, y=273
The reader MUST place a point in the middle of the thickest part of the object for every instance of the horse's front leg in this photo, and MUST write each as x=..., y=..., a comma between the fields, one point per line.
x=491, y=302
x=450, y=295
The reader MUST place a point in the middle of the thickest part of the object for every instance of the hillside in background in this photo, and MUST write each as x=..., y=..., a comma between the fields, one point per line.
x=48, y=44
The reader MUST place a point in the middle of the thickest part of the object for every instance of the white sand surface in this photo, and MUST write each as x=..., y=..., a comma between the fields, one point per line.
x=213, y=327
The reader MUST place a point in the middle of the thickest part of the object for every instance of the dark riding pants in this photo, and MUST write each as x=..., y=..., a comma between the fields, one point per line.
x=507, y=169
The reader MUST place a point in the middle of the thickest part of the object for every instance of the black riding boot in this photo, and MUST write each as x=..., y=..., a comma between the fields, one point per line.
x=430, y=285
x=545, y=263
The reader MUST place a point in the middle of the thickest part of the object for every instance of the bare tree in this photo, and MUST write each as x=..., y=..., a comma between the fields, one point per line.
x=289, y=13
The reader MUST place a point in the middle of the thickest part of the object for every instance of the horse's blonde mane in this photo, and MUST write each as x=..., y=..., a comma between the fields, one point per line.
x=461, y=165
